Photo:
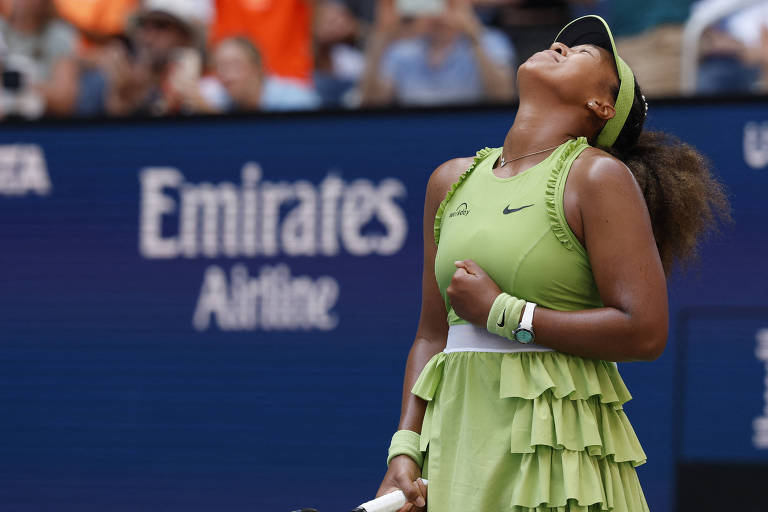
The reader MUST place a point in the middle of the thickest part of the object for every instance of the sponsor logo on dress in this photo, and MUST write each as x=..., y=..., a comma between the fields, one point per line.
x=760, y=424
x=462, y=209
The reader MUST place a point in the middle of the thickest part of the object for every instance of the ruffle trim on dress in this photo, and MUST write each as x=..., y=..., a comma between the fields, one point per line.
x=441, y=209
x=529, y=374
x=562, y=402
x=569, y=481
x=587, y=426
x=426, y=387
x=430, y=377
x=561, y=231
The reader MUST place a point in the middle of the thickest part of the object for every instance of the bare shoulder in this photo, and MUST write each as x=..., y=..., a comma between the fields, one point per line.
x=595, y=172
x=445, y=176
x=604, y=191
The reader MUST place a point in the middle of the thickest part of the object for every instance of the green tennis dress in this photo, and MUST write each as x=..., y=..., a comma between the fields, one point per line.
x=524, y=431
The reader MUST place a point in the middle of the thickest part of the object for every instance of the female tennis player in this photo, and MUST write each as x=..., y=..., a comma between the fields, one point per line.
x=545, y=262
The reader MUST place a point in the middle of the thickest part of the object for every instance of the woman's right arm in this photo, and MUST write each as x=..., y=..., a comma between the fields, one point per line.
x=430, y=338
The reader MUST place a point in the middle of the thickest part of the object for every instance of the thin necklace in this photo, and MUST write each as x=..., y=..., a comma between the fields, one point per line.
x=505, y=162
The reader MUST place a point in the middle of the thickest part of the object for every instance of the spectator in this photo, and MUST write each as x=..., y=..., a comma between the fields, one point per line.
x=99, y=22
x=749, y=29
x=40, y=54
x=339, y=62
x=155, y=70
x=448, y=57
x=238, y=67
x=655, y=28
x=280, y=29
x=724, y=66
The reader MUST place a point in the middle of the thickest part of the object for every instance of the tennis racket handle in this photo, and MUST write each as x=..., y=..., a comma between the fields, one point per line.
x=388, y=503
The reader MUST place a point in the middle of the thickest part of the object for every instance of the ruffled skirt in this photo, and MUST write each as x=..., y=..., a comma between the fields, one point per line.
x=525, y=432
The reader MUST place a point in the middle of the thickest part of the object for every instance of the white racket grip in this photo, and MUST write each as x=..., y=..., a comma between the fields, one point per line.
x=388, y=503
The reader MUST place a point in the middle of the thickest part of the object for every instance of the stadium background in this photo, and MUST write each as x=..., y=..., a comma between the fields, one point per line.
x=207, y=296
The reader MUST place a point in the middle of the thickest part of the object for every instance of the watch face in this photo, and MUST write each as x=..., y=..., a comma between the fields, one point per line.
x=523, y=336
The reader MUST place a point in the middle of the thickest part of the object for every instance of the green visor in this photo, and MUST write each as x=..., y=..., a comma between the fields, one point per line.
x=594, y=30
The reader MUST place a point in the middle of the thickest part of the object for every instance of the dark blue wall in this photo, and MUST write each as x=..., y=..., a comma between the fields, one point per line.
x=112, y=397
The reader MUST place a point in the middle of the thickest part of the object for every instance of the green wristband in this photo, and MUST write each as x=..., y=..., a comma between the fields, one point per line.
x=504, y=316
x=406, y=442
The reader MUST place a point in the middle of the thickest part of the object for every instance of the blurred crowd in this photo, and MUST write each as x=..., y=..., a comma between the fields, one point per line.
x=172, y=57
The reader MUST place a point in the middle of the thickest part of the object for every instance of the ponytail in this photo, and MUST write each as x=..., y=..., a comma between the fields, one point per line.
x=684, y=199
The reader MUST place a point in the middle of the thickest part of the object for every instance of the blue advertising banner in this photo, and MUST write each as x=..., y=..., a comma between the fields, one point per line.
x=212, y=314
x=720, y=422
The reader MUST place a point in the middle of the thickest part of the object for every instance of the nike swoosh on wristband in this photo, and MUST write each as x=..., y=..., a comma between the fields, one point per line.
x=503, y=313
x=507, y=209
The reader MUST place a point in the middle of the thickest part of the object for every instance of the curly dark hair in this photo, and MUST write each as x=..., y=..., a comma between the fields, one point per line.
x=685, y=200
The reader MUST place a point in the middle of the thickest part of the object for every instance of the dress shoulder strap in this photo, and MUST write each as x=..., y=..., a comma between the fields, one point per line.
x=555, y=190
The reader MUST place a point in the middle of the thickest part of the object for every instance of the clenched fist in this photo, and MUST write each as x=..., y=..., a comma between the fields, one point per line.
x=472, y=292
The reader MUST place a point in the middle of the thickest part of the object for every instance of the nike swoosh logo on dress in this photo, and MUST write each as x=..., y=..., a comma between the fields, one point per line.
x=507, y=209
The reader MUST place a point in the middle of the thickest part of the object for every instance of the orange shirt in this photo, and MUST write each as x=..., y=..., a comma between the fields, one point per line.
x=281, y=29
x=100, y=17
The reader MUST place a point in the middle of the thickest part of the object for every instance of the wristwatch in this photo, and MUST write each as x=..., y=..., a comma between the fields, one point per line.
x=524, y=331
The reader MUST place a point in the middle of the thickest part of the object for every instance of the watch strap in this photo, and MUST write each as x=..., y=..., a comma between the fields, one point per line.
x=527, y=321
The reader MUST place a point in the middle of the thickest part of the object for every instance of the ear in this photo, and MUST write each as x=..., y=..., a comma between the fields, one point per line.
x=601, y=109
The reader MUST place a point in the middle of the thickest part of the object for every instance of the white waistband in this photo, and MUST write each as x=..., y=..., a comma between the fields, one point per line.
x=471, y=338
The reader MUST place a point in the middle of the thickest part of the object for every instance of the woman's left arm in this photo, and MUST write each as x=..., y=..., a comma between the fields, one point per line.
x=606, y=210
